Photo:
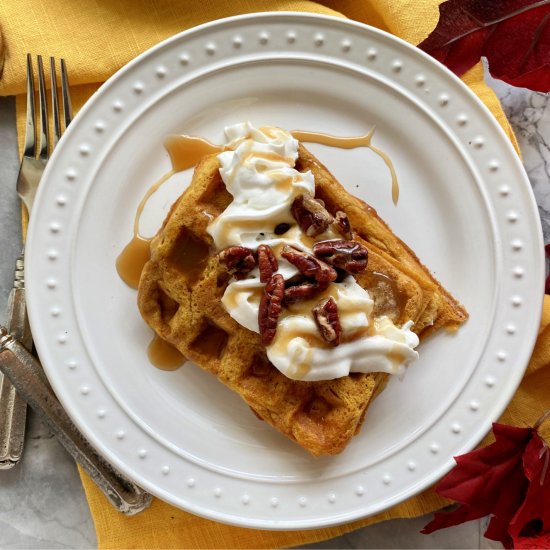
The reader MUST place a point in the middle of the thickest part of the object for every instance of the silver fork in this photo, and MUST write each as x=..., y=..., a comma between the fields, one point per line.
x=35, y=156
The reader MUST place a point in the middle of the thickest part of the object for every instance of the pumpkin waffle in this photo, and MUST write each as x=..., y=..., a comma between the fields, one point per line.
x=182, y=285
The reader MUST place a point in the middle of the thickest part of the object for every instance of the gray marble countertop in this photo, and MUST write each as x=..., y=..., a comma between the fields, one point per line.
x=42, y=504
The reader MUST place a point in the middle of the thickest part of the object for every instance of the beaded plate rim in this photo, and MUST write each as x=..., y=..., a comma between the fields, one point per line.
x=255, y=507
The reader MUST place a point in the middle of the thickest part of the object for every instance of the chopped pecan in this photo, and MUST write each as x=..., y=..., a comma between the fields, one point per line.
x=239, y=260
x=270, y=308
x=341, y=221
x=328, y=322
x=297, y=293
x=310, y=266
x=311, y=215
x=349, y=255
x=266, y=262
x=299, y=287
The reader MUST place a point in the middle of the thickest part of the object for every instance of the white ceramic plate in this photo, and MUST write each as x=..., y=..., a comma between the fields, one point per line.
x=466, y=208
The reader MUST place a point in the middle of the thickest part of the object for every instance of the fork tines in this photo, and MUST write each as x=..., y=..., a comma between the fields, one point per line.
x=42, y=151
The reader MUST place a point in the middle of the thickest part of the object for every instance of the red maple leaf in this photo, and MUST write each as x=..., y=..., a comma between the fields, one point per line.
x=487, y=481
x=514, y=36
x=531, y=523
x=508, y=480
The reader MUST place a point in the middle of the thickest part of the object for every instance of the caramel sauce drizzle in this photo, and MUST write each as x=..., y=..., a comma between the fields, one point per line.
x=254, y=297
x=134, y=256
x=283, y=183
x=281, y=343
x=304, y=367
x=132, y=259
x=396, y=357
x=186, y=151
x=268, y=156
x=352, y=143
x=164, y=355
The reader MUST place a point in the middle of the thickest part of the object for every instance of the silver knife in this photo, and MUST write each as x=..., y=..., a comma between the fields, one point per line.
x=26, y=374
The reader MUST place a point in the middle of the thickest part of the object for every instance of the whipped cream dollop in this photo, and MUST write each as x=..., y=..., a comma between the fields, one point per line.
x=258, y=170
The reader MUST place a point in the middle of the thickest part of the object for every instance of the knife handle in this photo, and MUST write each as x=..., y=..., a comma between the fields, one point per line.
x=26, y=374
x=13, y=409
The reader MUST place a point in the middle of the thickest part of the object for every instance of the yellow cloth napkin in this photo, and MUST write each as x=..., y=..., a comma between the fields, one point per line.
x=96, y=38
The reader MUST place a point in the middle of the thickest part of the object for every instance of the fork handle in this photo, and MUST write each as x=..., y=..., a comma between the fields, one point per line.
x=13, y=409
x=26, y=374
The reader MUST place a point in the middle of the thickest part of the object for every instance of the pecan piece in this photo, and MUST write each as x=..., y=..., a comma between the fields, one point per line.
x=341, y=221
x=349, y=255
x=310, y=266
x=311, y=215
x=239, y=260
x=328, y=322
x=267, y=262
x=297, y=293
x=270, y=308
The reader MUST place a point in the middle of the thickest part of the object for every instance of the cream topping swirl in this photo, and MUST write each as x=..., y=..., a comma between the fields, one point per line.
x=258, y=170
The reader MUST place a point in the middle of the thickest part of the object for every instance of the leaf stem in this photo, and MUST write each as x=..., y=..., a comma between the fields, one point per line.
x=534, y=42
x=483, y=25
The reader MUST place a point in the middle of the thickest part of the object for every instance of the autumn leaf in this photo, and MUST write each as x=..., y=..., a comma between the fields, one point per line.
x=533, y=517
x=514, y=36
x=508, y=480
x=487, y=481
